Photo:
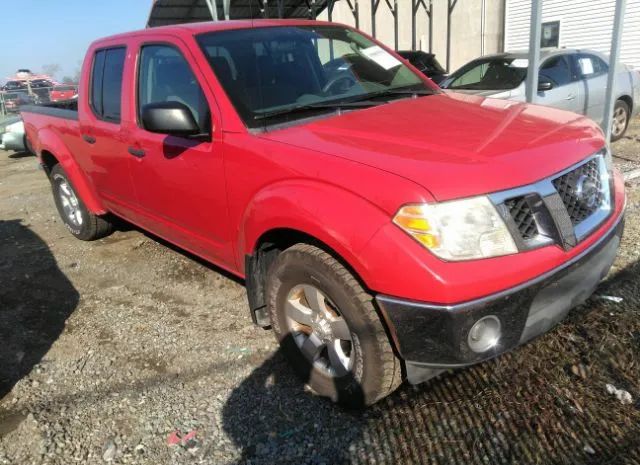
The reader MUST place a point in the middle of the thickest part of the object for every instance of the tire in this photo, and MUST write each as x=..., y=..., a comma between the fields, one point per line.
x=372, y=371
x=80, y=222
x=621, y=114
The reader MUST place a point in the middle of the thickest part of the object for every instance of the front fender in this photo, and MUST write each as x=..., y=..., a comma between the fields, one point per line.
x=340, y=219
x=48, y=141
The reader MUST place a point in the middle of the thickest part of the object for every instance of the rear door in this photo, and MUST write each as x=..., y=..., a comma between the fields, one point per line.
x=592, y=72
x=103, y=145
x=566, y=93
x=179, y=182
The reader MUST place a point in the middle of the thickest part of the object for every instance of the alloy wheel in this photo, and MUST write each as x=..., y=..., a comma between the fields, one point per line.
x=619, y=123
x=319, y=330
x=70, y=204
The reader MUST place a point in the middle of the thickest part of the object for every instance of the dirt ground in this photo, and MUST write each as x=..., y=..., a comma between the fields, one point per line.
x=126, y=350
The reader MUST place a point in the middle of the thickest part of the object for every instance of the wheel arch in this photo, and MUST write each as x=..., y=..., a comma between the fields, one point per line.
x=327, y=216
x=52, y=151
x=268, y=246
x=629, y=101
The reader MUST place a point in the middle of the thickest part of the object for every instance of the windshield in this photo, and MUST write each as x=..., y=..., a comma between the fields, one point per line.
x=490, y=74
x=268, y=71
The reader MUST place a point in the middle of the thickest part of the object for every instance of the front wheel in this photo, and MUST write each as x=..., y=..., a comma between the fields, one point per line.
x=621, y=112
x=329, y=329
x=80, y=222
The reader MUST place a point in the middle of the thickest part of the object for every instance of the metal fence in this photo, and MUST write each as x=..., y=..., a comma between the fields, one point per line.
x=11, y=100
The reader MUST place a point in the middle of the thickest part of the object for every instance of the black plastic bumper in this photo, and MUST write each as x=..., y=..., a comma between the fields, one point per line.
x=431, y=338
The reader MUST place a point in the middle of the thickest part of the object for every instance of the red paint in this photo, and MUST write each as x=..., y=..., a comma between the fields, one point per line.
x=339, y=179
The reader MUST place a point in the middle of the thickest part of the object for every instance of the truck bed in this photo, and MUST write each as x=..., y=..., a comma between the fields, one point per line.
x=67, y=109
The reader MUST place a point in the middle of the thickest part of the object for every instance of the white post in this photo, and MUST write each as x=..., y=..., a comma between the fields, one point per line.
x=226, y=5
x=213, y=9
x=534, y=51
x=614, y=56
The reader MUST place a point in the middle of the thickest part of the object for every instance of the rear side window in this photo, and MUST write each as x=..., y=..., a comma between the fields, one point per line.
x=106, y=84
x=591, y=66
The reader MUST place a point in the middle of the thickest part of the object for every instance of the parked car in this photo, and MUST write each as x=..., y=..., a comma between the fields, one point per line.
x=14, y=100
x=426, y=63
x=64, y=92
x=374, y=251
x=14, y=85
x=41, y=83
x=569, y=79
x=12, y=135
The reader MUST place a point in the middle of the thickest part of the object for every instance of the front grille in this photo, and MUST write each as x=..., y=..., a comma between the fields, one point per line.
x=523, y=217
x=568, y=186
x=563, y=209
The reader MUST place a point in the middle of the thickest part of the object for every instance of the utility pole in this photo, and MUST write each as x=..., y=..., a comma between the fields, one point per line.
x=534, y=51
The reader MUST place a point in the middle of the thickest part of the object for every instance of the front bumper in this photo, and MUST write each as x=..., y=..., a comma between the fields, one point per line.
x=431, y=338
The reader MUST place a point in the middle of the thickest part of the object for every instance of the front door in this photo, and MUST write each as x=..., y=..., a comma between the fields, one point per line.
x=180, y=182
x=566, y=92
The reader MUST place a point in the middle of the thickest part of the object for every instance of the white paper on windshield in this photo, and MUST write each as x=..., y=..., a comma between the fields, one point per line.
x=381, y=57
x=520, y=63
x=586, y=65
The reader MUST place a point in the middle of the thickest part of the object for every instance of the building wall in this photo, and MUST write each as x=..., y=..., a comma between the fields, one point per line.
x=583, y=24
x=467, y=31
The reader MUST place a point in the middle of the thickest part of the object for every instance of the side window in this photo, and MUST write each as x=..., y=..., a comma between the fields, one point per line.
x=106, y=84
x=557, y=70
x=96, y=82
x=165, y=76
x=591, y=66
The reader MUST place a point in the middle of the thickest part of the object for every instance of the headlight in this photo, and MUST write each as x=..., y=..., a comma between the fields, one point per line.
x=458, y=230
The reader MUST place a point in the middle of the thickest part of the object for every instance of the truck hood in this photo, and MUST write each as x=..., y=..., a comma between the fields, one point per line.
x=453, y=145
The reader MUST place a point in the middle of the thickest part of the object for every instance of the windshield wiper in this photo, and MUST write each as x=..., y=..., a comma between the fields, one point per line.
x=399, y=92
x=338, y=106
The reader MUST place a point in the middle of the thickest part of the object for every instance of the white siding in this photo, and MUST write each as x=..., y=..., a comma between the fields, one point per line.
x=583, y=24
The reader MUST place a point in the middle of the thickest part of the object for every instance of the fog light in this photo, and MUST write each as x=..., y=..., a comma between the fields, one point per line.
x=484, y=334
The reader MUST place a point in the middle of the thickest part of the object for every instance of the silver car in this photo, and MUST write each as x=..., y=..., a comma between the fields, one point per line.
x=569, y=79
x=12, y=136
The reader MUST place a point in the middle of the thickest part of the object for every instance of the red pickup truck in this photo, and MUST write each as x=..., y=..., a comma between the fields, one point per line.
x=386, y=230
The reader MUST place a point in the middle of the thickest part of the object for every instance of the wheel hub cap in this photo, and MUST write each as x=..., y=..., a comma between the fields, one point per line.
x=70, y=204
x=319, y=330
x=322, y=327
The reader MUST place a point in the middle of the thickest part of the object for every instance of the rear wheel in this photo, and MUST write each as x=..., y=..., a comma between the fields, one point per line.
x=328, y=328
x=80, y=222
x=621, y=112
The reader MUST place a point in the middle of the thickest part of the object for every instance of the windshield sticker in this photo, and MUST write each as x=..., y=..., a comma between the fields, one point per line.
x=381, y=57
x=520, y=63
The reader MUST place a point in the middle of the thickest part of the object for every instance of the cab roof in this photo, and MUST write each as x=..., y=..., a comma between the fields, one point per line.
x=192, y=29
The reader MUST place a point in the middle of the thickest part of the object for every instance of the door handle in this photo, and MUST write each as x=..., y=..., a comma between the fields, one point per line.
x=138, y=153
x=89, y=139
x=570, y=97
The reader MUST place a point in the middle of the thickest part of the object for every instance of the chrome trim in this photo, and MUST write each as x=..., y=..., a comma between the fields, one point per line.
x=545, y=188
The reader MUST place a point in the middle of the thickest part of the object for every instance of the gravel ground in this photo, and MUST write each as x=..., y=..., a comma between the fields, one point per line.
x=126, y=350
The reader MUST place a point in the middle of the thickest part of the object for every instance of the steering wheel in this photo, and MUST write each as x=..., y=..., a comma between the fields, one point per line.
x=341, y=79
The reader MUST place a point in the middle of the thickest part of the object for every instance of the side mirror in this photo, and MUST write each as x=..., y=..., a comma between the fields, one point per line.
x=172, y=118
x=544, y=84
